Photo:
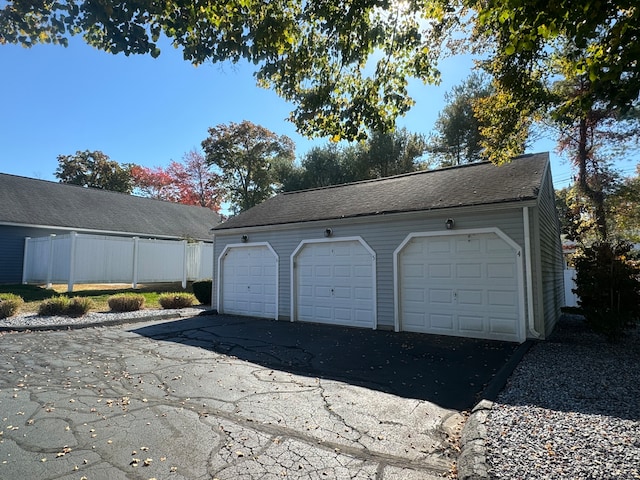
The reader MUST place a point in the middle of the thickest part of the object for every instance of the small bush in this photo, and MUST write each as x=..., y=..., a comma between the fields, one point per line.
x=608, y=284
x=202, y=289
x=9, y=304
x=126, y=302
x=176, y=300
x=79, y=306
x=54, y=306
x=65, y=306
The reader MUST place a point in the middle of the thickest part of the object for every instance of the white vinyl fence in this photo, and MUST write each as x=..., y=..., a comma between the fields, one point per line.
x=570, y=298
x=80, y=258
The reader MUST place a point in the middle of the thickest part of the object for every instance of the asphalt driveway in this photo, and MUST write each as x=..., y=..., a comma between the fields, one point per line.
x=229, y=397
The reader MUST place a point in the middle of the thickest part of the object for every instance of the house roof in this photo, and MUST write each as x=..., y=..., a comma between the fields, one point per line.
x=467, y=185
x=32, y=202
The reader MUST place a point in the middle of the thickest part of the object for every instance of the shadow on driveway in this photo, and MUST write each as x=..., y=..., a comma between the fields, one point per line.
x=451, y=372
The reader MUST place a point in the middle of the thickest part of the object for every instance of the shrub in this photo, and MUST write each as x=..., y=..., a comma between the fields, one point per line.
x=79, y=306
x=64, y=306
x=9, y=304
x=53, y=306
x=176, y=300
x=608, y=284
x=126, y=302
x=202, y=289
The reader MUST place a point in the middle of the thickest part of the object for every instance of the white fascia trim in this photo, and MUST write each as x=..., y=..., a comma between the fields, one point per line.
x=359, y=239
x=471, y=231
x=219, y=305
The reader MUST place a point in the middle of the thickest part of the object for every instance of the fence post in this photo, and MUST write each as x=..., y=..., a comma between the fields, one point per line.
x=184, y=264
x=50, y=263
x=134, y=284
x=25, y=261
x=72, y=262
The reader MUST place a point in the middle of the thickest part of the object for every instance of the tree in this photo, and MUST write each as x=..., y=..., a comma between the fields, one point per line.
x=346, y=66
x=250, y=158
x=152, y=182
x=457, y=129
x=94, y=169
x=393, y=153
x=189, y=183
x=623, y=209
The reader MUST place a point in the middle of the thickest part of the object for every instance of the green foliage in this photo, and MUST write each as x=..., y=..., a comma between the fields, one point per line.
x=203, y=291
x=126, y=302
x=54, y=306
x=457, y=130
x=9, y=304
x=608, y=284
x=176, y=300
x=623, y=208
x=79, y=306
x=95, y=170
x=249, y=157
x=381, y=155
x=346, y=66
x=65, y=306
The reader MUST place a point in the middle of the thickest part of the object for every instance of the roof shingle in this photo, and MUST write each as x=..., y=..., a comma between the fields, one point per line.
x=472, y=184
x=28, y=201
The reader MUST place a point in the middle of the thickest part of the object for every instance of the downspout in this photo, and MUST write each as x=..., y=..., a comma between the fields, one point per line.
x=529, y=274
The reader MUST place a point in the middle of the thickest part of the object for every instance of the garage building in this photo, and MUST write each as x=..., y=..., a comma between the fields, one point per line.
x=469, y=251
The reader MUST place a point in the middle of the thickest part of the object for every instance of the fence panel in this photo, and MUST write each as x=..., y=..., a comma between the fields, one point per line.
x=570, y=298
x=61, y=259
x=103, y=259
x=106, y=259
x=199, y=261
x=160, y=261
x=36, y=266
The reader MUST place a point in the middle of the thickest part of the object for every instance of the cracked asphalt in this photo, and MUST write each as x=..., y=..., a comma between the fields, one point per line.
x=222, y=397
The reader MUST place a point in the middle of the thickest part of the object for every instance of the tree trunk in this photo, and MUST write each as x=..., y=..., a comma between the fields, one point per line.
x=596, y=197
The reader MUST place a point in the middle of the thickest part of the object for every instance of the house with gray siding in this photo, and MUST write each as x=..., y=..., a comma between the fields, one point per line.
x=37, y=208
x=471, y=251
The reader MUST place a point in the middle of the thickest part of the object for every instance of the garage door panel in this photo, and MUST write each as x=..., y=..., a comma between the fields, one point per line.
x=471, y=323
x=438, y=270
x=469, y=270
x=441, y=296
x=470, y=297
x=502, y=298
x=501, y=270
x=466, y=246
x=441, y=322
x=501, y=325
x=248, y=281
x=470, y=287
x=341, y=281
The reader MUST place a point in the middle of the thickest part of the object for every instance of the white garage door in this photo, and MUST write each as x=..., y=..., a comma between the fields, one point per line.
x=335, y=283
x=465, y=285
x=248, y=281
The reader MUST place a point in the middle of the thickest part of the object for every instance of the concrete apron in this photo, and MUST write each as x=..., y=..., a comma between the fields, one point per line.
x=107, y=403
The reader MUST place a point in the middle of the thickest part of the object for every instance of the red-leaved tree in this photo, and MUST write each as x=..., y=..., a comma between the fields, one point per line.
x=191, y=182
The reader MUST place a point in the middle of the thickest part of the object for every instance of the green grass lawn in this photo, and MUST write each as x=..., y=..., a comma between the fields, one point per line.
x=33, y=295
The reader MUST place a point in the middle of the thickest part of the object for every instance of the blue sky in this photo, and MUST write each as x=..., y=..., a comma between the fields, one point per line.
x=147, y=111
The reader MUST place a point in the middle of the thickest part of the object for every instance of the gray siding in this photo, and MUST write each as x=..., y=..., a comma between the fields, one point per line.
x=383, y=234
x=12, y=249
x=551, y=262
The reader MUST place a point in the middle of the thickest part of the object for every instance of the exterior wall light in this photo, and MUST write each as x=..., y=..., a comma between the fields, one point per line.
x=449, y=223
x=244, y=238
x=328, y=232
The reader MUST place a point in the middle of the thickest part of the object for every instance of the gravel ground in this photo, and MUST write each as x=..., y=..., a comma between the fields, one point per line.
x=31, y=320
x=571, y=410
